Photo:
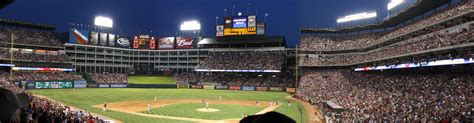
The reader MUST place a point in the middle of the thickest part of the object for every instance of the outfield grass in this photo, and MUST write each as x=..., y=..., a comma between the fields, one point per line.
x=189, y=110
x=151, y=80
x=87, y=98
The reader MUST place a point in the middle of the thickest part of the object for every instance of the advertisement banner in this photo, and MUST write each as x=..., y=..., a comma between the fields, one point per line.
x=221, y=87
x=219, y=30
x=80, y=84
x=183, y=86
x=228, y=22
x=291, y=90
x=262, y=88
x=104, y=86
x=234, y=87
x=103, y=39
x=248, y=88
x=78, y=36
x=54, y=84
x=135, y=43
x=184, y=42
x=276, y=89
x=143, y=42
x=261, y=29
x=252, y=21
x=118, y=85
x=30, y=85
x=92, y=85
x=123, y=42
x=94, y=38
x=166, y=43
x=111, y=40
x=196, y=86
x=208, y=87
x=152, y=44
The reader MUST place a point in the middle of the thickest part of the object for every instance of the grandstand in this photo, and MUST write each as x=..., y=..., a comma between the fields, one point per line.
x=405, y=71
x=415, y=65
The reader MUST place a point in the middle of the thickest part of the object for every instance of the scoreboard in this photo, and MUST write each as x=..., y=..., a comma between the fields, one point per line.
x=241, y=25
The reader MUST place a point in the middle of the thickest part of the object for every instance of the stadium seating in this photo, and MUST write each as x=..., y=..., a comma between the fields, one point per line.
x=107, y=78
x=34, y=57
x=233, y=60
x=440, y=39
x=43, y=76
x=326, y=43
x=233, y=79
x=393, y=97
x=43, y=110
x=28, y=37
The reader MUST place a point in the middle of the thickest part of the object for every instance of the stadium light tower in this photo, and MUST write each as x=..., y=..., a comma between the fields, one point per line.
x=190, y=26
x=103, y=21
x=358, y=16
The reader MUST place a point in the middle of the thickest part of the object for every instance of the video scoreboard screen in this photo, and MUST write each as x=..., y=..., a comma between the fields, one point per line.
x=242, y=25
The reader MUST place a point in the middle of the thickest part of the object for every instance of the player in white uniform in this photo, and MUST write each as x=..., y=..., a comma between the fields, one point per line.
x=105, y=107
x=148, y=107
x=207, y=105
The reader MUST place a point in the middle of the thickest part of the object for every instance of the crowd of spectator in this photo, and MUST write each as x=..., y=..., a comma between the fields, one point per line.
x=238, y=60
x=333, y=43
x=389, y=97
x=43, y=76
x=29, y=37
x=443, y=38
x=110, y=78
x=35, y=57
x=43, y=110
x=233, y=80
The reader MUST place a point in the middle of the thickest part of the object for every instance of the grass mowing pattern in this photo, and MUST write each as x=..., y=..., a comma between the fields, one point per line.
x=86, y=98
x=151, y=80
x=189, y=110
x=293, y=111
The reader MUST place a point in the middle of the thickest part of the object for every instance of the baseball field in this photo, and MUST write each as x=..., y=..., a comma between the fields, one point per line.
x=176, y=105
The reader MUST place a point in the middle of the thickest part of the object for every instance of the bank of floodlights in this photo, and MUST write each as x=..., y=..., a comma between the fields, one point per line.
x=394, y=3
x=103, y=21
x=358, y=16
x=190, y=26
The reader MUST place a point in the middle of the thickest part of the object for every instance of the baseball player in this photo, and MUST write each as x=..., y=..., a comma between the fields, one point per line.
x=148, y=107
x=105, y=107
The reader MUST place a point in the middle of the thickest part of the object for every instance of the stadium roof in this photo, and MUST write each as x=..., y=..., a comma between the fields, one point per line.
x=4, y=3
x=26, y=24
x=244, y=40
x=419, y=8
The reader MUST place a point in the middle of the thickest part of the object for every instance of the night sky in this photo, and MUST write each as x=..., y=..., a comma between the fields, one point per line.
x=164, y=16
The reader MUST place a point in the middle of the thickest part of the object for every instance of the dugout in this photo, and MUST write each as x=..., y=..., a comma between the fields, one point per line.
x=331, y=106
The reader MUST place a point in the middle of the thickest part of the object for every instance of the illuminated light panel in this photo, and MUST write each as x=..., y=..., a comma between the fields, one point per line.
x=190, y=25
x=103, y=21
x=43, y=69
x=358, y=16
x=394, y=3
x=250, y=71
x=422, y=64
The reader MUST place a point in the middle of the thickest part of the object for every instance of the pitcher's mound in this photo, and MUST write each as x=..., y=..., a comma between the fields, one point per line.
x=207, y=110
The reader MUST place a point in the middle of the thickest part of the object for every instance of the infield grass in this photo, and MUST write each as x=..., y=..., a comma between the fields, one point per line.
x=189, y=110
x=151, y=80
x=86, y=98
